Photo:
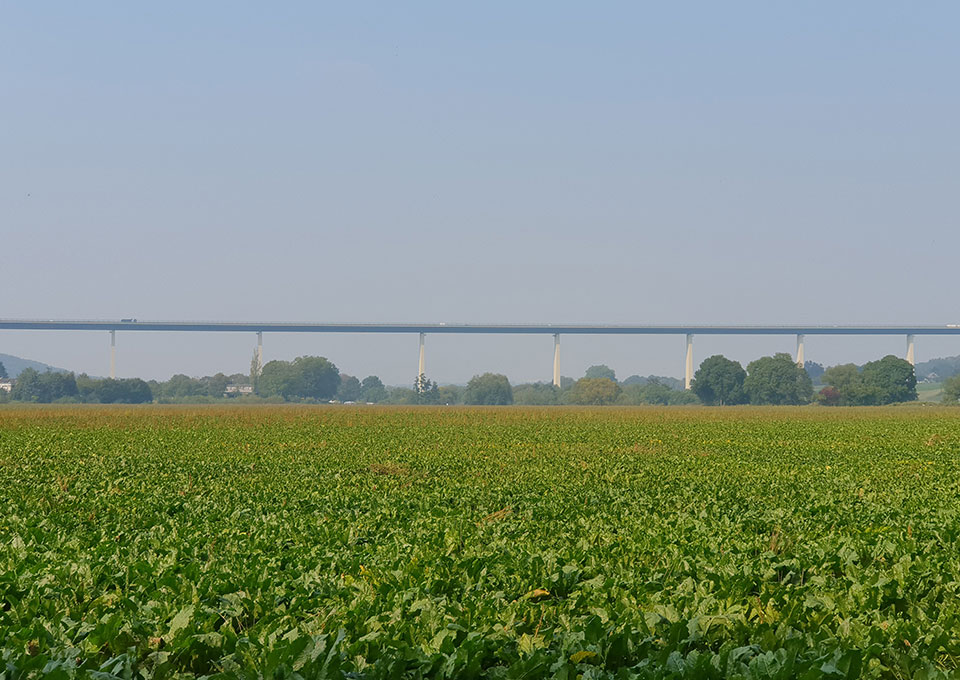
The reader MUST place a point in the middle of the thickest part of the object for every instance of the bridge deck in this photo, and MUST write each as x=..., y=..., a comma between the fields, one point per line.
x=522, y=329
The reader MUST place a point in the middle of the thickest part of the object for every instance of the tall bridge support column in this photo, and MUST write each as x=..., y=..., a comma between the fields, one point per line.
x=113, y=354
x=259, y=353
x=556, y=360
x=911, y=355
x=422, y=369
x=800, y=361
x=688, y=364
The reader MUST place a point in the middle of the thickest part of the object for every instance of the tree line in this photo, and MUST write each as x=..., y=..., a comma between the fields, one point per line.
x=51, y=386
x=598, y=387
x=778, y=380
x=774, y=380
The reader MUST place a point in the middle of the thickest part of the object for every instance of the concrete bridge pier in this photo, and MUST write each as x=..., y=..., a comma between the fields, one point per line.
x=800, y=361
x=422, y=369
x=688, y=364
x=259, y=352
x=556, y=360
x=113, y=354
x=911, y=356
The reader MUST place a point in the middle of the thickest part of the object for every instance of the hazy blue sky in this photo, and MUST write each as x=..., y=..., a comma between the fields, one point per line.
x=748, y=162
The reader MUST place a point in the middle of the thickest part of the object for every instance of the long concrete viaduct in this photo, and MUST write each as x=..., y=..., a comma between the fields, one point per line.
x=556, y=330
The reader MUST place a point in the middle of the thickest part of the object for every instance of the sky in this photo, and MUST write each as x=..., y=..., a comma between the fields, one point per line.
x=649, y=163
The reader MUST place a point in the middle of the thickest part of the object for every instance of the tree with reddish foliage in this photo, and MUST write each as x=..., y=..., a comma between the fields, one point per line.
x=829, y=396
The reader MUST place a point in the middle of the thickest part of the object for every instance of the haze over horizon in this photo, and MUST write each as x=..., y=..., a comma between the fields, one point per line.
x=737, y=164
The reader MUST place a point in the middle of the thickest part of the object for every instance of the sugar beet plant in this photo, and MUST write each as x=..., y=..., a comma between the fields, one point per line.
x=373, y=543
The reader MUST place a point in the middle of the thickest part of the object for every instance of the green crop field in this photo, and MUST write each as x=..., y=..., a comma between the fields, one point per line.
x=359, y=542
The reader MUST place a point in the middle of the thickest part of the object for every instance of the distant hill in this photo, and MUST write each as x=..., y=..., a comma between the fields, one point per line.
x=944, y=367
x=15, y=365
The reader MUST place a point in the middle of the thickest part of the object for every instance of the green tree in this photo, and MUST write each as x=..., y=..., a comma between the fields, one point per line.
x=43, y=388
x=683, y=398
x=3, y=371
x=450, y=394
x=593, y=392
x=814, y=370
x=777, y=380
x=86, y=387
x=304, y=378
x=215, y=385
x=648, y=393
x=861, y=393
x=426, y=391
x=137, y=391
x=885, y=381
x=123, y=391
x=181, y=386
x=255, y=371
x=601, y=371
x=719, y=381
x=841, y=376
x=402, y=395
x=655, y=393
x=60, y=385
x=536, y=394
x=637, y=393
x=316, y=377
x=28, y=387
x=489, y=389
x=951, y=390
x=372, y=390
x=672, y=383
x=893, y=377
x=278, y=379
x=350, y=388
